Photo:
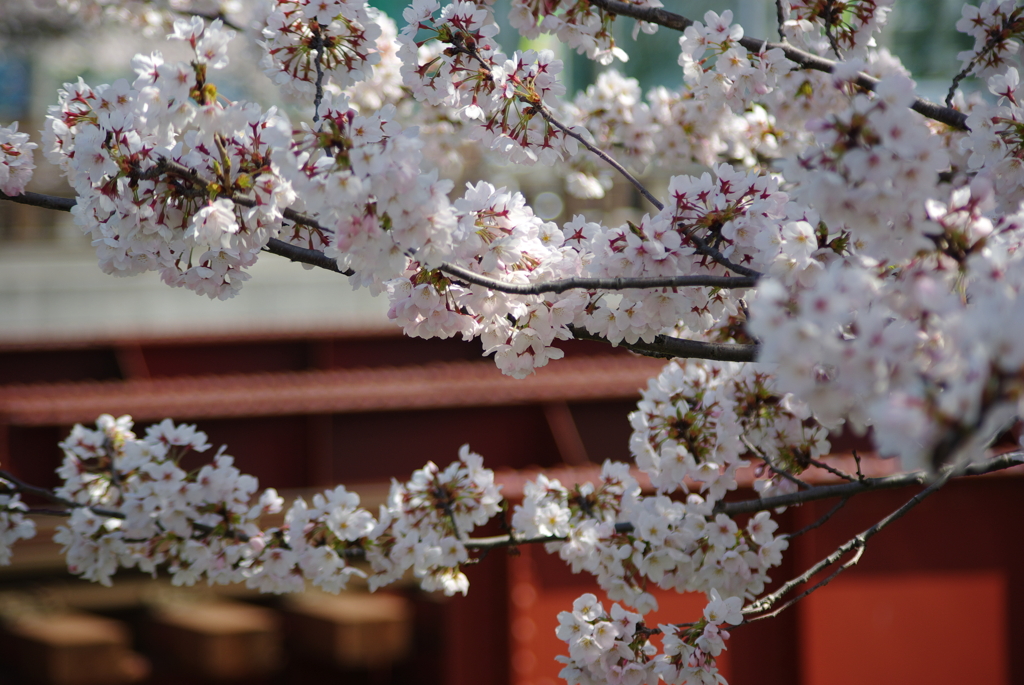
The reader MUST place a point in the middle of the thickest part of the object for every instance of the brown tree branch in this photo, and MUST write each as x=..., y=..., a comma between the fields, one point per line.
x=61, y=204
x=845, y=491
x=821, y=521
x=318, y=45
x=667, y=347
x=1003, y=461
x=315, y=258
x=831, y=469
x=304, y=255
x=830, y=20
x=560, y=286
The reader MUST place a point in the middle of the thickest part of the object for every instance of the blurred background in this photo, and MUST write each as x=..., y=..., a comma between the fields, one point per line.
x=309, y=385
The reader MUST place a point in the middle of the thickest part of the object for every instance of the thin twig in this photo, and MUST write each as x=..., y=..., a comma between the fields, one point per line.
x=497, y=541
x=853, y=561
x=946, y=115
x=780, y=18
x=318, y=45
x=211, y=17
x=774, y=469
x=831, y=469
x=830, y=12
x=459, y=45
x=839, y=505
x=446, y=502
x=995, y=39
x=39, y=511
x=560, y=286
x=856, y=543
x=702, y=246
x=546, y=113
x=115, y=477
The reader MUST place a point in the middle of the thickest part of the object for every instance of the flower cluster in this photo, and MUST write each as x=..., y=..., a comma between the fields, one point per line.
x=736, y=74
x=319, y=542
x=135, y=506
x=605, y=647
x=584, y=27
x=199, y=524
x=995, y=144
x=16, y=160
x=465, y=71
x=632, y=544
x=168, y=177
x=696, y=422
x=496, y=235
x=871, y=170
x=689, y=653
x=360, y=175
x=13, y=524
x=428, y=520
x=915, y=352
x=131, y=504
x=848, y=25
x=307, y=43
x=731, y=214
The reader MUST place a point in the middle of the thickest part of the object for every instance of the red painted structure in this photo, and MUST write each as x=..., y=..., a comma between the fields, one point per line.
x=937, y=598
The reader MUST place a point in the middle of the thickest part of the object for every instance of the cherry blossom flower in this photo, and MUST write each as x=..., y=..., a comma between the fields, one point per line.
x=16, y=160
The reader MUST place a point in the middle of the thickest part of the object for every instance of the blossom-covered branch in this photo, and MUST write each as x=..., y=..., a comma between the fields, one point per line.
x=662, y=346
x=655, y=15
x=316, y=258
x=813, y=494
x=866, y=259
